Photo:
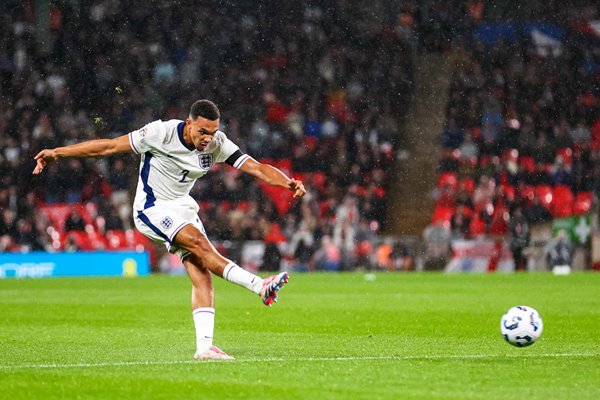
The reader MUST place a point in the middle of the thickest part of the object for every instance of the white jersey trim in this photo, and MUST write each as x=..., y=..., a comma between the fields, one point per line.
x=240, y=161
x=132, y=145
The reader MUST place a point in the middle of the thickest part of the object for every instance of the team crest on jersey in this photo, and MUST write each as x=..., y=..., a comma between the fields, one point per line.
x=205, y=160
x=166, y=223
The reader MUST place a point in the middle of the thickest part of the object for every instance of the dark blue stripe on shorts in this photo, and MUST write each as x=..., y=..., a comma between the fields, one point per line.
x=150, y=225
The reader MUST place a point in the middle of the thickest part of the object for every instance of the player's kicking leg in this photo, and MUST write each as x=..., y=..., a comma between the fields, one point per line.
x=192, y=240
x=271, y=286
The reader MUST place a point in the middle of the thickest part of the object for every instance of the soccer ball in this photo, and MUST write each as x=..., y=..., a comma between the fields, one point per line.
x=521, y=326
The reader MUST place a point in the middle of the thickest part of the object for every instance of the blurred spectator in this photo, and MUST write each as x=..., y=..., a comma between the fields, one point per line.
x=8, y=229
x=26, y=237
x=402, y=256
x=302, y=239
x=328, y=256
x=459, y=224
x=468, y=149
x=559, y=250
x=452, y=135
x=74, y=222
x=365, y=242
x=437, y=240
x=71, y=245
x=344, y=231
x=73, y=179
x=562, y=175
x=301, y=247
x=540, y=176
x=273, y=239
x=536, y=212
x=383, y=256
x=543, y=152
x=519, y=238
x=581, y=132
x=113, y=221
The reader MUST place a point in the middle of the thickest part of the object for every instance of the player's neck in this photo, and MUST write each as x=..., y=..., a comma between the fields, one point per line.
x=186, y=136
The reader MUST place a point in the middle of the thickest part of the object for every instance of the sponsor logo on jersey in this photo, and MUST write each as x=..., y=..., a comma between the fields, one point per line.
x=205, y=160
x=166, y=223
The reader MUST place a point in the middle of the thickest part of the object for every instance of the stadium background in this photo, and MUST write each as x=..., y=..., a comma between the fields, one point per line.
x=423, y=130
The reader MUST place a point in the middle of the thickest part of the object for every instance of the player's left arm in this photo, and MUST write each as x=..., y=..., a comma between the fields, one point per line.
x=272, y=176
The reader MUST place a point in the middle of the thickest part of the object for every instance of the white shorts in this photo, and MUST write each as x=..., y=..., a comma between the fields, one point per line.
x=161, y=223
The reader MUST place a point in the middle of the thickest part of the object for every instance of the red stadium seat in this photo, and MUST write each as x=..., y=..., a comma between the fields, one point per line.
x=206, y=205
x=468, y=212
x=477, y=226
x=566, y=154
x=544, y=192
x=527, y=162
x=509, y=155
x=468, y=184
x=81, y=239
x=310, y=142
x=319, y=179
x=447, y=178
x=528, y=192
x=243, y=206
x=509, y=191
x=583, y=203
x=116, y=239
x=442, y=213
x=562, y=201
x=57, y=214
x=139, y=242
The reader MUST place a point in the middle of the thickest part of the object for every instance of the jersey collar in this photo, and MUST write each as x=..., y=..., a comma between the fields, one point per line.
x=180, y=134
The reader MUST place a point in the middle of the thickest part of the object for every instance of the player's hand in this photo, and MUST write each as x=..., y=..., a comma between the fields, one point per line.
x=297, y=187
x=44, y=158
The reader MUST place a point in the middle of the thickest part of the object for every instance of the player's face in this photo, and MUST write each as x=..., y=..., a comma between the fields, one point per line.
x=202, y=131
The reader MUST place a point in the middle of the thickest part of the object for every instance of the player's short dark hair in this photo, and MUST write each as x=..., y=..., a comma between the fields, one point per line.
x=205, y=109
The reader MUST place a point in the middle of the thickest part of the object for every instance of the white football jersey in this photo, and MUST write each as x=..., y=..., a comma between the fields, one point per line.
x=169, y=168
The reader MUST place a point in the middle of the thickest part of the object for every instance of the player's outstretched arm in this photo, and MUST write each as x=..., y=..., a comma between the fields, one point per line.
x=273, y=176
x=92, y=148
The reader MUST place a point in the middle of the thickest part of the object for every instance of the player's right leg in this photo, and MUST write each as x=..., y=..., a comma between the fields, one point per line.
x=203, y=311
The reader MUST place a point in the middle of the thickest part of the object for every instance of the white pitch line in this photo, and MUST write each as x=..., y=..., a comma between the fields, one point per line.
x=307, y=359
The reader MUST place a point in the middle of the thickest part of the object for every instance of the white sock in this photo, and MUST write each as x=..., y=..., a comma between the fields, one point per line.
x=235, y=274
x=204, y=321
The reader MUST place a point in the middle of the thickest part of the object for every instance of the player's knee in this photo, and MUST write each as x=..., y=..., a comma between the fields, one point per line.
x=200, y=246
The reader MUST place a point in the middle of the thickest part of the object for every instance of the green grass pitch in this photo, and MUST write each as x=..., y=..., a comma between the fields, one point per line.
x=331, y=336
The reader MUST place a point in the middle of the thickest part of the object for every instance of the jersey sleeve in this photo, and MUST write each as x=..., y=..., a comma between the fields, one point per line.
x=230, y=153
x=148, y=137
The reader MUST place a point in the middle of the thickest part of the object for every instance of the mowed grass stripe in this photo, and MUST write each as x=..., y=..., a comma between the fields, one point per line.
x=303, y=359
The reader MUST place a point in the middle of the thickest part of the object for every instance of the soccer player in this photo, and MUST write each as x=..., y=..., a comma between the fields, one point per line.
x=174, y=154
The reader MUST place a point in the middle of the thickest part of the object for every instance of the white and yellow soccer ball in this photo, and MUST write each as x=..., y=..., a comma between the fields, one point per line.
x=521, y=326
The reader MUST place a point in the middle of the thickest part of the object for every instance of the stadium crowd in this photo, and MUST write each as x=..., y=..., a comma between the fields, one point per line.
x=521, y=142
x=317, y=93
